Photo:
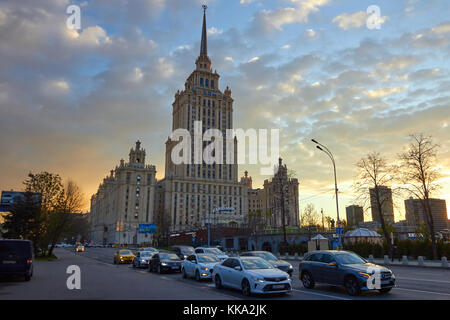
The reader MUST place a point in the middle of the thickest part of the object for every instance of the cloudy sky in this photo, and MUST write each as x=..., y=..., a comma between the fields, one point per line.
x=73, y=102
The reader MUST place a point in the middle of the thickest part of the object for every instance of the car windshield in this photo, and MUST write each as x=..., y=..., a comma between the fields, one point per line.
x=208, y=258
x=255, y=263
x=168, y=256
x=213, y=251
x=265, y=255
x=125, y=252
x=349, y=258
x=146, y=254
x=150, y=249
x=186, y=250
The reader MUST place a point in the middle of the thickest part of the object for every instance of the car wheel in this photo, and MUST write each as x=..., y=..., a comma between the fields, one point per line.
x=114, y=261
x=246, y=288
x=352, y=286
x=197, y=276
x=384, y=290
x=218, y=282
x=27, y=277
x=307, y=280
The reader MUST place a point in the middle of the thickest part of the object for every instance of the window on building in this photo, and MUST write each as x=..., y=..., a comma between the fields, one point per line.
x=206, y=83
x=201, y=82
x=212, y=85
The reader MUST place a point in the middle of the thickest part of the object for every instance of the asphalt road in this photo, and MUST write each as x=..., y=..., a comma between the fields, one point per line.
x=101, y=279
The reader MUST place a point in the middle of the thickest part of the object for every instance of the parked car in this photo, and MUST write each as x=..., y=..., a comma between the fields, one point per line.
x=251, y=275
x=79, y=248
x=16, y=258
x=269, y=257
x=183, y=251
x=199, y=266
x=142, y=258
x=123, y=256
x=164, y=262
x=212, y=250
x=344, y=268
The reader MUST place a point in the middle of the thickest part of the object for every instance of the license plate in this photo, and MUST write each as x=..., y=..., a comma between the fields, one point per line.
x=9, y=262
x=278, y=286
x=175, y=267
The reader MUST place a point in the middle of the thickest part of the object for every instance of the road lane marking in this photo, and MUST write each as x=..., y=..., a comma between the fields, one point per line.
x=422, y=291
x=321, y=294
x=430, y=280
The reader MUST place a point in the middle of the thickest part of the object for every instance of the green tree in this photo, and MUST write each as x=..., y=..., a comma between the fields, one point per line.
x=50, y=187
x=23, y=220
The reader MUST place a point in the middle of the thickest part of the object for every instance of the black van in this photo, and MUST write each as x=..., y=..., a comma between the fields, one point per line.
x=16, y=258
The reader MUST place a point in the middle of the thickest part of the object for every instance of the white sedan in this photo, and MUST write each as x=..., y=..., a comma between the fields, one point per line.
x=212, y=250
x=199, y=266
x=251, y=275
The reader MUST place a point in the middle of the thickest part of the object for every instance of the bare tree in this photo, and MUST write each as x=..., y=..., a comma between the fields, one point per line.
x=309, y=218
x=69, y=202
x=373, y=173
x=419, y=176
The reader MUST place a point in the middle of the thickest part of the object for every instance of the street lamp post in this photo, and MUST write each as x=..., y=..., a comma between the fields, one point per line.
x=321, y=147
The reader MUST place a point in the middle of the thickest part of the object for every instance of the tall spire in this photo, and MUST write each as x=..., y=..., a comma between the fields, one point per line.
x=204, y=45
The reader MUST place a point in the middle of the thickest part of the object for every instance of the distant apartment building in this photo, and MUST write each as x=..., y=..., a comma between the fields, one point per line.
x=414, y=213
x=387, y=205
x=124, y=200
x=355, y=215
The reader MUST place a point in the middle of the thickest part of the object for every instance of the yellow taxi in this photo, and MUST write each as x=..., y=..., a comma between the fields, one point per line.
x=123, y=256
x=79, y=248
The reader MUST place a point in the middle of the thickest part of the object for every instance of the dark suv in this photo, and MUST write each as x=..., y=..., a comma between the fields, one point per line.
x=344, y=268
x=16, y=258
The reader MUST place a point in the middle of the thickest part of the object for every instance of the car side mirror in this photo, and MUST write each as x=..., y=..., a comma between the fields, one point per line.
x=238, y=268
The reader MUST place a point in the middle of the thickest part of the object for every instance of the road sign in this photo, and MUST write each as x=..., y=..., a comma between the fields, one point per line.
x=147, y=228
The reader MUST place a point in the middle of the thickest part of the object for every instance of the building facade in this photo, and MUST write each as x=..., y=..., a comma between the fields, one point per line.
x=278, y=195
x=355, y=215
x=414, y=213
x=192, y=191
x=124, y=200
x=387, y=205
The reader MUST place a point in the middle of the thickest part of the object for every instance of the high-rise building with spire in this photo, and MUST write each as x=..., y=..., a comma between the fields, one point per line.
x=124, y=200
x=189, y=192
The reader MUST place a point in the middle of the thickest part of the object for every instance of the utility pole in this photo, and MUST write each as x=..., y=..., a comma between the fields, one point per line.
x=323, y=223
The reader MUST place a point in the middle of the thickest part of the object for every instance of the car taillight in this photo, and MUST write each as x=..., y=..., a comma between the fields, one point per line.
x=29, y=261
x=299, y=264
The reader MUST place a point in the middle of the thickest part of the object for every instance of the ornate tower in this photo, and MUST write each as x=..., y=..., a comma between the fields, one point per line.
x=192, y=190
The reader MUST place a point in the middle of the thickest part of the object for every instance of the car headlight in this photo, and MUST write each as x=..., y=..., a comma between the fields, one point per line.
x=142, y=260
x=121, y=257
x=205, y=268
x=163, y=264
x=291, y=267
x=258, y=279
x=365, y=274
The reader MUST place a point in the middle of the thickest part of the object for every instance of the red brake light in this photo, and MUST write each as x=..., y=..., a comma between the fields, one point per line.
x=299, y=264
x=29, y=260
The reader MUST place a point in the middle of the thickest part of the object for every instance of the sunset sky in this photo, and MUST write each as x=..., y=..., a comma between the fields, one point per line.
x=74, y=102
